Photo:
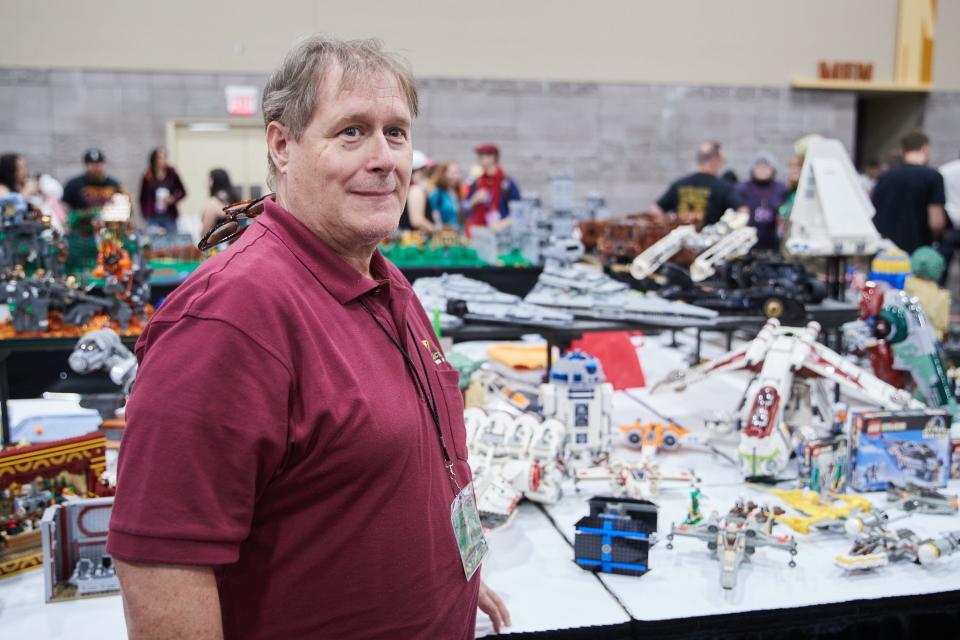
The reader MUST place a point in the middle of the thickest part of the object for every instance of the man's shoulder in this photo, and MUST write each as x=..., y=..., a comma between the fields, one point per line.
x=74, y=182
x=698, y=179
x=237, y=284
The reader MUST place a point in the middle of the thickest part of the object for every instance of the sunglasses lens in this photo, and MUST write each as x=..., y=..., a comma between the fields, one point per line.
x=224, y=232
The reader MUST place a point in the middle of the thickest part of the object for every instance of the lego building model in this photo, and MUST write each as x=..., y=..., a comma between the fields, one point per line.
x=470, y=299
x=27, y=238
x=32, y=477
x=616, y=537
x=832, y=214
x=41, y=302
x=787, y=389
x=592, y=294
x=620, y=240
x=903, y=347
x=730, y=237
x=75, y=560
x=733, y=538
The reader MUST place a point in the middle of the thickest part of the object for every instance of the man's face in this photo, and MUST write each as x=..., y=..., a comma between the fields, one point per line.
x=487, y=161
x=347, y=177
x=96, y=170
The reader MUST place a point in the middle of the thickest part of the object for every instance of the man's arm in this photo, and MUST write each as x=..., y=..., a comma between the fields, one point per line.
x=169, y=601
x=667, y=203
x=936, y=218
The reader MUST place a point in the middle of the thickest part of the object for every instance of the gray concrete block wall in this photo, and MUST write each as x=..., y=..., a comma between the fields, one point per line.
x=627, y=141
x=942, y=123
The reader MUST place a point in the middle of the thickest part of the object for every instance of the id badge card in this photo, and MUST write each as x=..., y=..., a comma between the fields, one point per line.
x=465, y=518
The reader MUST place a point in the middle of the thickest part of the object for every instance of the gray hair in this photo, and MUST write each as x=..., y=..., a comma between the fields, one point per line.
x=290, y=95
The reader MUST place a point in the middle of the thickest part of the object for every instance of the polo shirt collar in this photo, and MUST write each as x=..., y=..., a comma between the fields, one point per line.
x=335, y=274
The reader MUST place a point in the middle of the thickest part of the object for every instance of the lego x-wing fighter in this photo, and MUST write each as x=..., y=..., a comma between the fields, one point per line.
x=790, y=369
x=733, y=538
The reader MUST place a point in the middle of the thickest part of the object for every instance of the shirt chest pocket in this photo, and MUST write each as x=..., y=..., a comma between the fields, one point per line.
x=450, y=410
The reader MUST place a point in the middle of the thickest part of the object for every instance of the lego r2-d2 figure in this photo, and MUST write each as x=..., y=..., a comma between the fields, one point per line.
x=578, y=396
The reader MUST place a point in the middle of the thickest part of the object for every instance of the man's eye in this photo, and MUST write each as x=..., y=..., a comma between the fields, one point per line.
x=351, y=132
x=397, y=132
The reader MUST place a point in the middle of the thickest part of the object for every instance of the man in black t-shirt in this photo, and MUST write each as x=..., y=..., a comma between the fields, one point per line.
x=701, y=198
x=94, y=187
x=909, y=198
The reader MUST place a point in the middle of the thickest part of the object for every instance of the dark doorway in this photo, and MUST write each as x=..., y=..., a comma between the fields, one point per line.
x=881, y=120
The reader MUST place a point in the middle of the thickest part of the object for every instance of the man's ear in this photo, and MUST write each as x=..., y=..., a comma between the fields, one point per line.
x=278, y=140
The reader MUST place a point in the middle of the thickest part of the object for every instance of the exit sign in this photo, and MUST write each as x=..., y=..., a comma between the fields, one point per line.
x=242, y=100
x=828, y=70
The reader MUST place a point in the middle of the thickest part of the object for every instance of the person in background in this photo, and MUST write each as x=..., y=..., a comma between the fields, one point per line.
x=49, y=199
x=160, y=191
x=871, y=171
x=909, y=198
x=222, y=193
x=13, y=173
x=731, y=176
x=93, y=188
x=445, y=199
x=763, y=195
x=490, y=195
x=951, y=184
x=416, y=214
x=702, y=197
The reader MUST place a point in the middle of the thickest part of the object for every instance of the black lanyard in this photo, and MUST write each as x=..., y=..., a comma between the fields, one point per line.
x=430, y=401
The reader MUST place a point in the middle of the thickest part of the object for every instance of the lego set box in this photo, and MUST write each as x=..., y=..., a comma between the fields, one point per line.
x=955, y=459
x=824, y=464
x=616, y=536
x=901, y=447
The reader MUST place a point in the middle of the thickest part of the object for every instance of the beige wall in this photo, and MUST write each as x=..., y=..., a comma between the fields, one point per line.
x=736, y=42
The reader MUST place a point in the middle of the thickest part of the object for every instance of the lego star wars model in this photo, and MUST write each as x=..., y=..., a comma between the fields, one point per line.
x=752, y=285
x=821, y=514
x=470, y=299
x=903, y=347
x=616, y=537
x=832, y=214
x=592, y=294
x=788, y=365
x=879, y=547
x=733, y=538
x=580, y=398
x=914, y=498
x=730, y=237
x=513, y=458
x=103, y=350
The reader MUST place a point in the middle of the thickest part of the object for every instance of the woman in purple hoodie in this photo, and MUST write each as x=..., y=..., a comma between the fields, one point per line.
x=160, y=191
x=763, y=195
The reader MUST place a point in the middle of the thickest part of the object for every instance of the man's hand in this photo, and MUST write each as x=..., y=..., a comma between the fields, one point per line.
x=492, y=605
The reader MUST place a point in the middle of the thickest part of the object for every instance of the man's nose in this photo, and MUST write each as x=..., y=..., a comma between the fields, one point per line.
x=382, y=158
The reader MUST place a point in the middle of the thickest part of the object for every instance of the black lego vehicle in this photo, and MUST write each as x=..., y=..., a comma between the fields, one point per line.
x=752, y=285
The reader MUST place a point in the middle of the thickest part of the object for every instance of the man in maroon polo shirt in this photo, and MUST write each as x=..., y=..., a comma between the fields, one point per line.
x=295, y=441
